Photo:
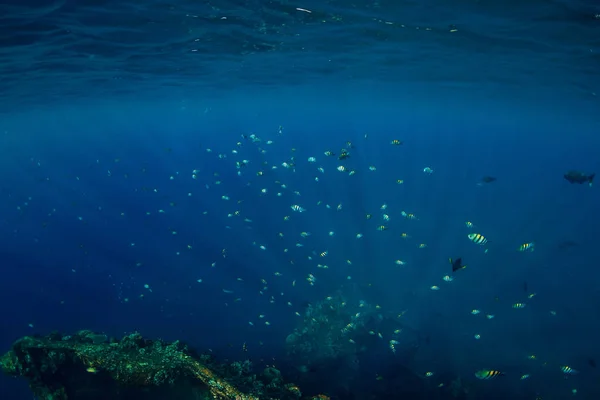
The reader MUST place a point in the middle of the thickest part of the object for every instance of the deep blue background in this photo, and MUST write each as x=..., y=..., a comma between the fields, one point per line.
x=89, y=144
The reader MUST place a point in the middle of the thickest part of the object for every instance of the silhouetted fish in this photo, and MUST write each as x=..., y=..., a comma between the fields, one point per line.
x=592, y=362
x=488, y=179
x=567, y=244
x=579, y=177
x=456, y=264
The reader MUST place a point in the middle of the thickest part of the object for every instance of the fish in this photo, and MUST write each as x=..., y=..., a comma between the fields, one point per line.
x=456, y=264
x=396, y=142
x=477, y=238
x=527, y=247
x=343, y=155
x=567, y=244
x=579, y=177
x=592, y=362
x=568, y=370
x=487, y=179
x=486, y=374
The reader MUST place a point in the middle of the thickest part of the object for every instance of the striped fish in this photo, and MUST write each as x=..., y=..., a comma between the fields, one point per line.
x=526, y=247
x=486, y=374
x=568, y=370
x=477, y=238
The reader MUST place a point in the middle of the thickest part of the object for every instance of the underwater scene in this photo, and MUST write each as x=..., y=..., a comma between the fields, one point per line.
x=275, y=199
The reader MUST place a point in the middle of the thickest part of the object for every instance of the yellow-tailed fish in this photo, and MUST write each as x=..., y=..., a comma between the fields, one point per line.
x=456, y=264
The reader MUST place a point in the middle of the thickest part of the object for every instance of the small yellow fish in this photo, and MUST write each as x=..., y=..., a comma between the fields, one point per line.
x=408, y=215
x=396, y=142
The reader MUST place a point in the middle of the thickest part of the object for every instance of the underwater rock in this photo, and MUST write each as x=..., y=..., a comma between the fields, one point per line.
x=88, y=366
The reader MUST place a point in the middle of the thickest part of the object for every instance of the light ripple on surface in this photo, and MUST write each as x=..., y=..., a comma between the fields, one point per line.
x=56, y=49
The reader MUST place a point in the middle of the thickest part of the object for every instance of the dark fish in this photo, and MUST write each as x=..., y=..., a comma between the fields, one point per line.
x=488, y=179
x=456, y=264
x=592, y=362
x=567, y=244
x=343, y=155
x=579, y=177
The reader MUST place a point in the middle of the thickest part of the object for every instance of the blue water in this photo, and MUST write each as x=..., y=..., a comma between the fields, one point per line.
x=107, y=109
